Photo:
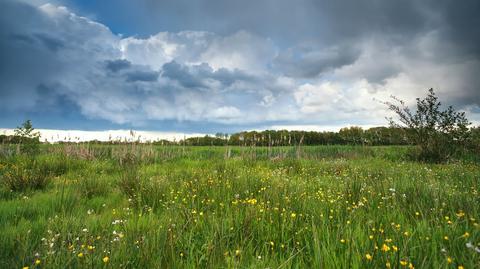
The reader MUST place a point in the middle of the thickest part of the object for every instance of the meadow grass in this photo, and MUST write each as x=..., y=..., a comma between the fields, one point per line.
x=214, y=207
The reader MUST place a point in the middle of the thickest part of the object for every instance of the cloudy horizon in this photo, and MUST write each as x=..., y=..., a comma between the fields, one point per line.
x=227, y=66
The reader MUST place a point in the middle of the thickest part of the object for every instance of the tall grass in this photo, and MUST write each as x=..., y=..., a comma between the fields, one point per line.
x=330, y=207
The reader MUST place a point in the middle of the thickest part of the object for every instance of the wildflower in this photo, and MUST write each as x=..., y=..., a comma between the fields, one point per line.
x=403, y=263
x=410, y=266
x=466, y=235
x=25, y=267
x=406, y=233
x=385, y=248
x=370, y=237
x=388, y=265
x=342, y=241
x=417, y=214
x=395, y=248
x=37, y=262
x=449, y=260
x=80, y=255
x=368, y=257
x=105, y=259
x=238, y=252
x=460, y=214
x=461, y=267
x=293, y=215
x=445, y=237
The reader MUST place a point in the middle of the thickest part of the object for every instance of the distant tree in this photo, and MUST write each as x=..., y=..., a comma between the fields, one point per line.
x=438, y=133
x=30, y=138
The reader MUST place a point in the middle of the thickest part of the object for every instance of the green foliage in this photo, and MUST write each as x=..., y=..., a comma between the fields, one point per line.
x=30, y=143
x=199, y=210
x=439, y=134
x=25, y=174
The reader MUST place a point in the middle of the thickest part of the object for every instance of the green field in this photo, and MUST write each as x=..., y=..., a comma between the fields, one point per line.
x=140, y=206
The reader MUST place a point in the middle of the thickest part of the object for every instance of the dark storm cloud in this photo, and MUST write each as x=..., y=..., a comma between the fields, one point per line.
x=310, y=62
x=245, y=63
x=196, y=76
x=117, y=65
x=142, y=75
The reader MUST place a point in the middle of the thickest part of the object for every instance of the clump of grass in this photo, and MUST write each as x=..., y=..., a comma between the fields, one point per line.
x=93, y=185
x=24, y=175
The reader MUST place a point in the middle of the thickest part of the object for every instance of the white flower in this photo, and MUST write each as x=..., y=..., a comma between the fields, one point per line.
x=469, y=245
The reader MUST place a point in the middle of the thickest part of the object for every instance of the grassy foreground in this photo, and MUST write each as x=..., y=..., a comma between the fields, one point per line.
x=324, y=207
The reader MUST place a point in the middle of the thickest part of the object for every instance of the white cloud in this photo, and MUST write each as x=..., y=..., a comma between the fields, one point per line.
x=239, y=78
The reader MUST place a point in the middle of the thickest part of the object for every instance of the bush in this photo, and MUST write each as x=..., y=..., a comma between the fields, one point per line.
x=25, y=175
x=438, y=134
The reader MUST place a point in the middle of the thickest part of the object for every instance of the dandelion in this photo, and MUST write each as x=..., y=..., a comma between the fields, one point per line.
x=105, y=259
x=80, y=255
x=25, y=267
x=368, y=257
x=293, y=215
x=385, y=248
x=466, y=235
x=449, y=260
x=410, y=266
x=460, y=267
x=238, y=252
x=370, y=237
x=403, y=263
x=342, y=241
x=37, y=262
x=388, y=265
x=445, y=238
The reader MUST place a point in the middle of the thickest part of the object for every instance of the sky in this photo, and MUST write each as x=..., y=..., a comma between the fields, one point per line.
x=185, y=66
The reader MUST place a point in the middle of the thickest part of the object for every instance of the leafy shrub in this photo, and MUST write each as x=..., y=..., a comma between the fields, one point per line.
x=30, y=139
x=438, y=134
x=26, y=174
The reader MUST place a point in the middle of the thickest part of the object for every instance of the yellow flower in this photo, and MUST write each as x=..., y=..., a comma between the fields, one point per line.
x=461, y=267
x=395, y=248
x=417, y=214
x=445, y=237
x=388, y=265
x=91, y=247
x=385, y=248
x=449, y=260
x=293, y=215
x=410, y=266
x=80, y=255
x=238, y=252
x=105, y=259
x=342, y=241
x=403, y=263
x=368, y=257
x=406, y=234
x=37, y=262
x=370, y=237
x=25, y=267
x=465, y=235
